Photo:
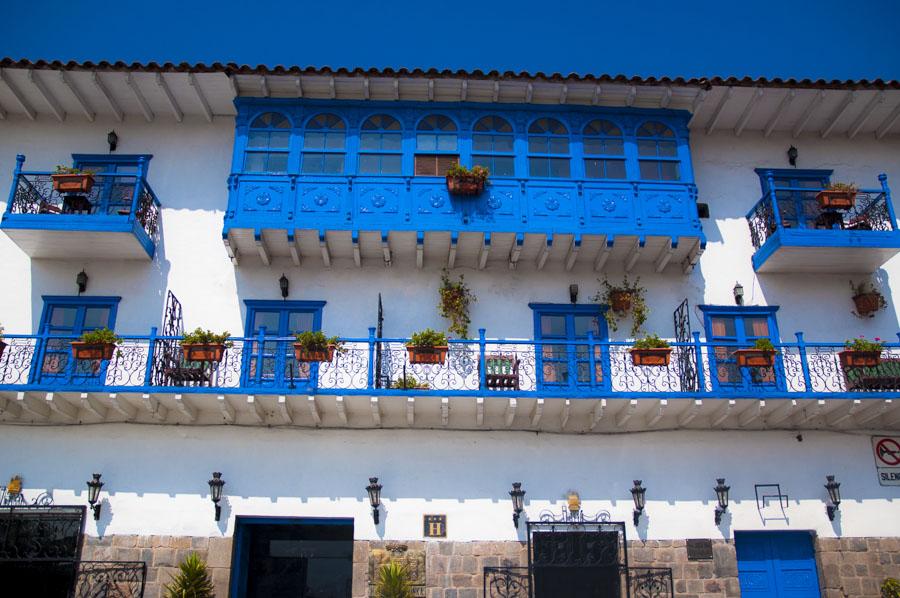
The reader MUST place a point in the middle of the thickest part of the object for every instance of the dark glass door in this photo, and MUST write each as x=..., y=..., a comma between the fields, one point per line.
x=576, y=564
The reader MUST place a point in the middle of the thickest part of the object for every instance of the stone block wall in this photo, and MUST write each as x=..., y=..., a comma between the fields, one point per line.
x=716, y=578
x=856, y=566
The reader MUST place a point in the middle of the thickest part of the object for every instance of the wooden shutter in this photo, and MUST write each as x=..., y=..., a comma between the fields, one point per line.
x=434, y=164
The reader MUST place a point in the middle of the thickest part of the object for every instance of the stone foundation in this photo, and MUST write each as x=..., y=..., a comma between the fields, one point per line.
x=856, y=566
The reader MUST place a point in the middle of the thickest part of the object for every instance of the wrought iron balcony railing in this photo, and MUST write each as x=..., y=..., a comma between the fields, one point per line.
x=624, y=581
x=482, y=367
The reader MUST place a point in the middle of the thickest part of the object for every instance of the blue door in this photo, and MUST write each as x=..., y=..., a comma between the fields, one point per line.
x=776, y=565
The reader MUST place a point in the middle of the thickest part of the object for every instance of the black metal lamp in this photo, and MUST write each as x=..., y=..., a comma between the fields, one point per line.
x=792, y=155
x=374, y=490
x=518, y=500
x=285, y=286
x=738, y=292
x=637, y=493
x=113, y=140
x=722, y=496
x=573, y=293
x=215, y=491
x=94, y=487
x=834, y=494
x=81, y=279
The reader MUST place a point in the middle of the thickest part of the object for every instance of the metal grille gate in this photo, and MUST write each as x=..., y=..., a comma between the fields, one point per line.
x=687, y=359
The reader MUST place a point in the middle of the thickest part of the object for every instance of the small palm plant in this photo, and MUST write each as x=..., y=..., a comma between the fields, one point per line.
x=192, y=580
x=393, y=582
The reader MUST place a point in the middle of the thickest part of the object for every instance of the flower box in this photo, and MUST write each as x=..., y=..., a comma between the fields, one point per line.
x=620, y=301
x=836, y=200
x=203, y=351
x=427, y=355
x=465, y=185
x=754, y=358
x=93, y=351
x=73, y=183
x=313, y=355
x=859, y=359
x=658, y=357
x=867, y=303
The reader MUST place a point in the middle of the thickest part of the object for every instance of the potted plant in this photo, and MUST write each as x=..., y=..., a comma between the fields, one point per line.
x=861, y=353
x=622, y=299
x=205, y=345
x=838, y=196
x=427, y=346
x=72, y=180
x=393, y=581
x=762, y=355
x=651, y=351
x=314, y=346
x=455, y=300
x=867, y=299
x=192, y=580
x=463, y=181
x=99, y=344
x=409, y=382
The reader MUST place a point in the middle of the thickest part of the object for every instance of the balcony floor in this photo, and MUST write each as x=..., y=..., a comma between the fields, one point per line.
x=826, y=252
x=73, y=237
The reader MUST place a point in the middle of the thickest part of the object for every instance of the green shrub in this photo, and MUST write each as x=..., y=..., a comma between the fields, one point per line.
x=191, y=581
x=393, y=582
x=890, y=588
x=478, y=172
x=764, y=344
x=407, y=382
x=860, y=343
x=427, y=338
x=100, y=336
x=206, y=337
x=651, y=341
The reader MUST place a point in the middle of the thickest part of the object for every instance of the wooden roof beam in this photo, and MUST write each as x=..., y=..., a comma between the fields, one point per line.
x=865, y=114
x=714, y=120
x=848, y=99
x=748, y=111
x=808, y=113
x=204, y=104
x=82, y=103
x=110, y=100
x=779, y=112
x=145, y=107
x=164, y=87
x=20, y=99
x=886, y=125
x=48, y=96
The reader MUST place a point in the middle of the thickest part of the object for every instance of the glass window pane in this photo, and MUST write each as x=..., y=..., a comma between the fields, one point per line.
x=391, y=164
x=334, y=141
x=96, y=317
x=593, y=146
x=553, y=326
x=269, y=319
x=615, y=169
x=756, y=327
x=314, y=140
x=258, y=139
x=538, y=145
x=667, y=149
x=615, y=147
x=369, y=141
x=279, y=139
x=63, y=316
x=503, y=166
x=559, y=167
x=300, y=322
x=334, y=163
x=426, y=142
x=559, y=145
x=646, y=147
x=368, y=164
x=255, y=162
x=669, y=171
x=447, y=143
x=278, y=162
x=391, y=141
x=482, y=143
x=593, y=169
x=486, y=161
x=503, y=143
x=312, y=163
x=538, y=167
x=585, y=324
x=649, y=170
x=723, y=326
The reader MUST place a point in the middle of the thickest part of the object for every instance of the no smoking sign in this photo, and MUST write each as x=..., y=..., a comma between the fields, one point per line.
x=887, y=459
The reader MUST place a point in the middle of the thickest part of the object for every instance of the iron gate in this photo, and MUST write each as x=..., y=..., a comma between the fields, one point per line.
x=687, y=359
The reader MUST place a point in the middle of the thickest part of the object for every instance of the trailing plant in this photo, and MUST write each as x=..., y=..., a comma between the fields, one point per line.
x=409, y=382
x=456, y=297
x=206, y=337
x=890, y=588
x=393, y=581
x=867, y=287
x=477, y=172
x=60, y=169
x=638, y=308
x=861, y=343
x=843, y=187
x=315, y=340
x=191, y=581
x=651, y=341
x=763, y=344
x=427, y=338
x=100, y=336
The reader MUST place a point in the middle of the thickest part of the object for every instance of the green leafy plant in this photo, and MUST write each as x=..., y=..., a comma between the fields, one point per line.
x=890, y=588
x=315, y=340
x=638, y=308
x=206, y=337
x=861, y=343
x=763, y=344
x=477, y=172
x=191, y=581
x=651, y=341
x=60, y=169
x=100, y=336
x=456, y=297
x=393, y=581
x=427, y=338
x=843, y=187
x=409, y=382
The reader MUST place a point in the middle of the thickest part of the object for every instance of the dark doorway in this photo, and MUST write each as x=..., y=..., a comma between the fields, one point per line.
x=296, y=558
x=576, y=564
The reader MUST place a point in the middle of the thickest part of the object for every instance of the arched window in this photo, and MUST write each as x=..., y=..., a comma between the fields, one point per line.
x=548, y=149
x=268, y=143
x=658, y=152
x=380, y=145
x=436, y=145
x=323, y=145
x=604, y=151
x=492, y=146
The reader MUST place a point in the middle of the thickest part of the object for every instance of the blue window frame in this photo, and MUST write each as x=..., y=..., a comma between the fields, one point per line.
x=64, y=319
x=739, y=327
x=271, y=363
x=268, y=143
x=493, y=146
x=797, y=207
x=113, y=194
x=562, y=362
x=603, y=147
x=324, y=145
x=658, y=152
x=548, y=149
x=380, y=146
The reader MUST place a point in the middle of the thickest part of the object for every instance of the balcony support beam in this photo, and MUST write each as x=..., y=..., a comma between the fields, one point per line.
x=516, y=251
x=603, y=254
x=185, y=408
x=445, y=411
x=510, y=415
x=420, y=249
x=37, y=409
x=811, y=410
x=463, y=90
x=662, y=260
x=696, y=104
x=876, y=408
x=635, y=253
x=479, y=411
x=786, y=102
x=60, y=407
x=121, y=407
x=341, y=408
x=139, y=96
x=598, y=413
x=572, y=254
x=256, y=409
x=748, y=111
x=451, y=254
x=844, y=412
x=688, y=415
x=781, y=414
x=365, y=88
x=666, y=98
x=93, y=406
x=410, y=411
x=657, y=413
x=496, y=91
x=48, y=96
x=545, y=252
x=833, y=121
x=808, y=113
x=722, y=414
x=323, y=246
x=865, y=114
x=285, y=411
x=386, y=249
x=264, y=86
x=233, y=84
x=717, y=114
x=357, y=255
x=231, y=249
x=485, y=250
x=261, y=247
x=20, y=99
x=201, y=97
x=886, y=125
x=298, y=86
x=110, y=100
x=626, y=413
x=687, y=265
x=751, y=414
x=225, y=409
x=595, y=98
x=314, y=410
x=529, y=93
x=431, y=90
x=177, y=112
x=13, y=408
x=563, y=93
x=566, y=414
x=537, y=413
x=294, y=248
x=375, y=406
x=631, y=96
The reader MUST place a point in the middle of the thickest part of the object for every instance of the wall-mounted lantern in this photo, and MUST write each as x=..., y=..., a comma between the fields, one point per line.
x=94, y=487
x=113, y=140
x=374, y=490
x=81, y=279
x=215, y=492
x=574, y=502
x=637, y=493
x=285, y=285
x=792, y=155
x=834, y=494
x=738, y=292
x=573, y=293
x=518, y=500
x=722, y=497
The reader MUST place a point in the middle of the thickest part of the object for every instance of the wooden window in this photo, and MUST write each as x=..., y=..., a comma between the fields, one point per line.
x=604, y=150
x=268, y=144
x=658, y=153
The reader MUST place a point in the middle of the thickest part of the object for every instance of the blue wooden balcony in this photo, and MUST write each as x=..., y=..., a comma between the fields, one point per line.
x=792, y=233
x=117, y=218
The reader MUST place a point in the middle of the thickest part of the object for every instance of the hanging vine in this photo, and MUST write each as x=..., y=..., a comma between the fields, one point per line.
x=456, y=297
x=622, y=299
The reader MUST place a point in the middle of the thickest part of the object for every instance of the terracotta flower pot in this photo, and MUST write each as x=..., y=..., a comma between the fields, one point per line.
x=754, y=358
x=203, y=352
x=620, y=301
x=313, y=355
x=867, y=303
x=859, y=359
x=651, y=357
x=465, y=185
x=431, y=355
x=77, y=183
x=836, y=200
x=93, y=351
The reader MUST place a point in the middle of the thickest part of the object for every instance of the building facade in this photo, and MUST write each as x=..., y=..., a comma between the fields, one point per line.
x=273, y=201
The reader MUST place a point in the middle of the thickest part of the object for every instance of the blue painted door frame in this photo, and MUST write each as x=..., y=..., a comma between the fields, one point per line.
x=776, y=565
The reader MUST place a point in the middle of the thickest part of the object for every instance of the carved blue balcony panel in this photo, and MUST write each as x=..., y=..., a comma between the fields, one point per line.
x=793, y=232
x=117, y=218
x=323, y=179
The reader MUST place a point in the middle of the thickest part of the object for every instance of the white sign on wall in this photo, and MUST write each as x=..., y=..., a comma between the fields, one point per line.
x=887, y=459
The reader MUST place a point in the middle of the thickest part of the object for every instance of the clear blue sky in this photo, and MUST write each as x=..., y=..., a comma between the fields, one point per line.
x=771, y=38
